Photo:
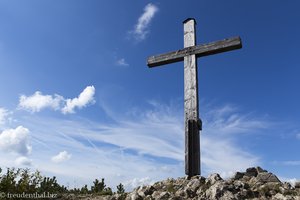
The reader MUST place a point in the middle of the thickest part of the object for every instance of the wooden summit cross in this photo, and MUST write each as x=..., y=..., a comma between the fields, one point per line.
x=189, y=55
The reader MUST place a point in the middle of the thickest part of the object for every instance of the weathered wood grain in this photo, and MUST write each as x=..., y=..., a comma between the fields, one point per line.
x=191, y=109
x=199, y=50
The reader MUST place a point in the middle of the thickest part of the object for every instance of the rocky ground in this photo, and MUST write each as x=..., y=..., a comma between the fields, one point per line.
x=255, y=183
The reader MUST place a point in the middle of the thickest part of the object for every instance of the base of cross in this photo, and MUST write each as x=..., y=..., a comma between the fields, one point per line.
x=192, y=147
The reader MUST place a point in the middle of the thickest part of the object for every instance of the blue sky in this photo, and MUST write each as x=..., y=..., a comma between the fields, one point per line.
x=78, y=101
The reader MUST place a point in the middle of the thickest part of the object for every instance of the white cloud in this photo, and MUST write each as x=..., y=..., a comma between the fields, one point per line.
x=15, y=140
x=61, y=157
x=122, y=62
x=38, y=101
x=3, y=115
x=23, y=161
x=141, y=28
x=298, y=136
x=85, y=98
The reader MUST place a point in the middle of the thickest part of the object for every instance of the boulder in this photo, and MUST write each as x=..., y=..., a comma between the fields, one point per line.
x=161, y=195
x=251, y=172
x=213, y=178
x=265, y=177
x=194, y=185
x=134, y=196
x=259, y=169
x=238, y=175
x=216, y=190
x=297, y=185
x=255, y=184
x=146, y=190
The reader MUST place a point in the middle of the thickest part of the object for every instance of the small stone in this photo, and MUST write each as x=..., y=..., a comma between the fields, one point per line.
x=253, y=182
x=238, y=175
x=265, y=177
x=213, y=178
x=194, y=184
x=246, y=178
x=149, y=190
x=238, y=184
x=216, y=190
x=146, y=198
x=134, y=196
x=259, y=169
x=278, y=196
x=140, y=192
x=161, y=195
x=287, y=185
x=251, y=172
x=189, y=193
x=227, y=196
x=180, y=193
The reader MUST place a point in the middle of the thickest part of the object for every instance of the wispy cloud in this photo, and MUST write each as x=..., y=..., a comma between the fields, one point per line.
x=298, y=136
x=141, y=28
x=122, y=62
x=61, y=157
x=150, y=142
x=16, y=140
x=228, y=120
x=290, y=162
x=3, y=115
x=38, y=101
x=223, y=156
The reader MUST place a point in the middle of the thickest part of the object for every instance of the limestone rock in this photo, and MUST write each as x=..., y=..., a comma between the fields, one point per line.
x=255, y=184
x=260, y=170
x=216, y=191
x=297, y=185
x=134, y=196
x=238, y=175
x=161, y=195
x=213, y=178
x=146, y=190
x=194, y=185
x=251, y=172
x=265, y=177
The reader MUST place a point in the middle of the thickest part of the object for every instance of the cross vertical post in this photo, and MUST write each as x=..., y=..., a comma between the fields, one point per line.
x=191, y=104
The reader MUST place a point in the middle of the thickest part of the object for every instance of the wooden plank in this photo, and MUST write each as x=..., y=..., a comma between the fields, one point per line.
x=191, y=113
x=199, y=50
x=192, y=165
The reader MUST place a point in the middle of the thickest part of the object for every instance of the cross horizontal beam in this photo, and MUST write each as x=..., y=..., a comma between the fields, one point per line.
x=199, y=50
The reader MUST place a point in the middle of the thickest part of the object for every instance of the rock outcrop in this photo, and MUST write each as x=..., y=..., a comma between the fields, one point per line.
x=255, y=183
